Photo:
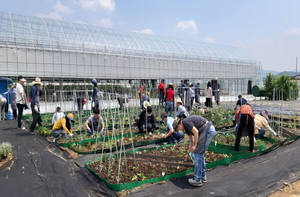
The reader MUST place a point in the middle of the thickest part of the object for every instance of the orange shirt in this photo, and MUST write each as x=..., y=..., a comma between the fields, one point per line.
x=244, y=109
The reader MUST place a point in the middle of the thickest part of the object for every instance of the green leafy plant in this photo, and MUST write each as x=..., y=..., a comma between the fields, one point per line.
x=5, y=149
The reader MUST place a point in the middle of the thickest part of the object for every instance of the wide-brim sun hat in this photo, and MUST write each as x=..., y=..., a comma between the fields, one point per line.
x=176, y=122
x=37, y=81
x=199, y=81
x=70, y=116
x=265, y=114
x=146, y=104
x=10, y=86
x=179, y=102
x=171, y=84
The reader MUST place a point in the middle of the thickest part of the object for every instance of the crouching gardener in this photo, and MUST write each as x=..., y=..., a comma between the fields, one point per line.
x=201, y=132
x=171, y=135
x=63, y=126
x=95, y=122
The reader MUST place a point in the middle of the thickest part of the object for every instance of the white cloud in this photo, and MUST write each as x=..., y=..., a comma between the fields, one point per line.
x=94, y=4
x=52, y=15
x=105, y=22
x=188, y=26
x=209, y=40
x=293, y=32
x=145, y=31
x=58, y=7
x=81, y=22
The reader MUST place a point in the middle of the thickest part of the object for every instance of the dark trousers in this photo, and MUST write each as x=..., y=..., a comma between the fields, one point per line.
x=20, y=113
x=245, y=121
x=36, y=118
x=15, y=113
x=208, y=102
x=197, y=98
x=121, y=102
x=161, y=98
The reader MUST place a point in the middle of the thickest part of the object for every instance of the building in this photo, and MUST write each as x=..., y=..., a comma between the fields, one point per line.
x=52, y=49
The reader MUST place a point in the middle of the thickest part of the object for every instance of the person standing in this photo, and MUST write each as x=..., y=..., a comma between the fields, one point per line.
x=170, y=99
x=244, y=117
x=122, y=100
x=161, y=92
x=192, y=96
x=95, y=102
x=3, y=102
x=21, y=100
x=197, y=92
x=171, y=135
x=216, y=90
x=208, y=95
x=80, y=103
x=13, y=96
x=201, y=132
x=95, y=123
x=181, y=91
x=35, y=94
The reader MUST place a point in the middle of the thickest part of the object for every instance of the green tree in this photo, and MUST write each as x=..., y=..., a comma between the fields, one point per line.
x=269, y=85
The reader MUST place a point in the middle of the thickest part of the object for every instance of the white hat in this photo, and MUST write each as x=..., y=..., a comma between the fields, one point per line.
x=146, y=104
x=216, y=78
x=199, y=81
x=37, y=81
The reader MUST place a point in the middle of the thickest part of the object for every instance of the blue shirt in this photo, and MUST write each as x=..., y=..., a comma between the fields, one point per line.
x=197, y=89
x=170, y=121
x=35, y=95
x=181, y=89
x=241, y=102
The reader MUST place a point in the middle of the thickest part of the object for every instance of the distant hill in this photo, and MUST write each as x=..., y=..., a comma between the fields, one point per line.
x=273, y=72
x=286, y=73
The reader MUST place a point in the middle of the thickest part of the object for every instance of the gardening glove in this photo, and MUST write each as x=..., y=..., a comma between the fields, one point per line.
x=273, y=132
x=71, y=134
x=100, y=132
x=89, y=131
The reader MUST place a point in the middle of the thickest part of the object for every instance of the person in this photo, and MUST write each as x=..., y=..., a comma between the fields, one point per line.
x=57, y=115
x=191, y=96
x=80, y=103
x=3, y=102
x=261, y=123
x=13, y=95
x=95, y=102
x=21, y=100
x=200, y=132
x=244, y=117
x=208, y=95
x=197, y=92
x=216, y=90
x=95, y=123
x=121, y=100
x=35, y=94
x=146, y=121
x=170, y=99
x=241, y=101
x=143, y=99
x=181, y=110
x=63, y=126
x=171, y=134
x=181, y=91
x=161, y=92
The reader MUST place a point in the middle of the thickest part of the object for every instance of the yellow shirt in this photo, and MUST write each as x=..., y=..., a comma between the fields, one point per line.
x=61, y=123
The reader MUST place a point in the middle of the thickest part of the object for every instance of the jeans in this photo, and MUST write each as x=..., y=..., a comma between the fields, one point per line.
x=169, y=107
x=20, y=113
x=57, y=133
x=260, y=134
x=175, y=135
x=200, y=168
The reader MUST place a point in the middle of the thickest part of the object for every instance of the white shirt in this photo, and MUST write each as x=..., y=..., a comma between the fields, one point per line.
x=19, y=89
x=57, y=116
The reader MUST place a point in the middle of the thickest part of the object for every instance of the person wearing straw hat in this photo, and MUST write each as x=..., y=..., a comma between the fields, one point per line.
x=95, y=123
x=261, y=123
x=21, y=100
x=63, y=127
x=170, y=99
x=13, y=96
x=200, y=132
x=35, y=94
x=197, y=92
x=216, y=90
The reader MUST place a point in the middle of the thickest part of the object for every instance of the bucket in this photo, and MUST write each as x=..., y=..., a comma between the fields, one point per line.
x=9, y=116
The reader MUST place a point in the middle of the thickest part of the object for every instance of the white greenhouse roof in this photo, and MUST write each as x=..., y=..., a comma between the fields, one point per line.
x=29, y=31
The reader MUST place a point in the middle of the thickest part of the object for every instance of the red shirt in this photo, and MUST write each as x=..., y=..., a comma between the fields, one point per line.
x=161, y=88
x=170, y=95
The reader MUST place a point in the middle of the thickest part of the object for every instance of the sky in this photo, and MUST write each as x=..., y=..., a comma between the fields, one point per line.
x=269, y=29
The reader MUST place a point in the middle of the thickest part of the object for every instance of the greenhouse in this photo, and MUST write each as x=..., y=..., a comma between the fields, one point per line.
x=52, y=50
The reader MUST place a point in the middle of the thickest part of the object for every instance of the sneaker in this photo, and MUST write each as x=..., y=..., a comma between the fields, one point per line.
x=22, y=128
x=195, y=183
x=204, y=179
x=32, y=133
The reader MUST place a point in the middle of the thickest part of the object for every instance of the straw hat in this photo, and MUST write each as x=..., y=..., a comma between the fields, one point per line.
x=10, y=86
x=216, y=78
x=37, y=81
x=171, y=84
x=146, y=104
x=179, y=101
x=70, y=116
x=199, y=81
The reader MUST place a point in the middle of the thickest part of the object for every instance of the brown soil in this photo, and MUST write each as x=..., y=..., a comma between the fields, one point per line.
x=6, y=163
x=290, y=190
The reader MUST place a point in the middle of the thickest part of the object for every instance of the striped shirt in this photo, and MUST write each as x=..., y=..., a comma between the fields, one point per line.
x=260, y=123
